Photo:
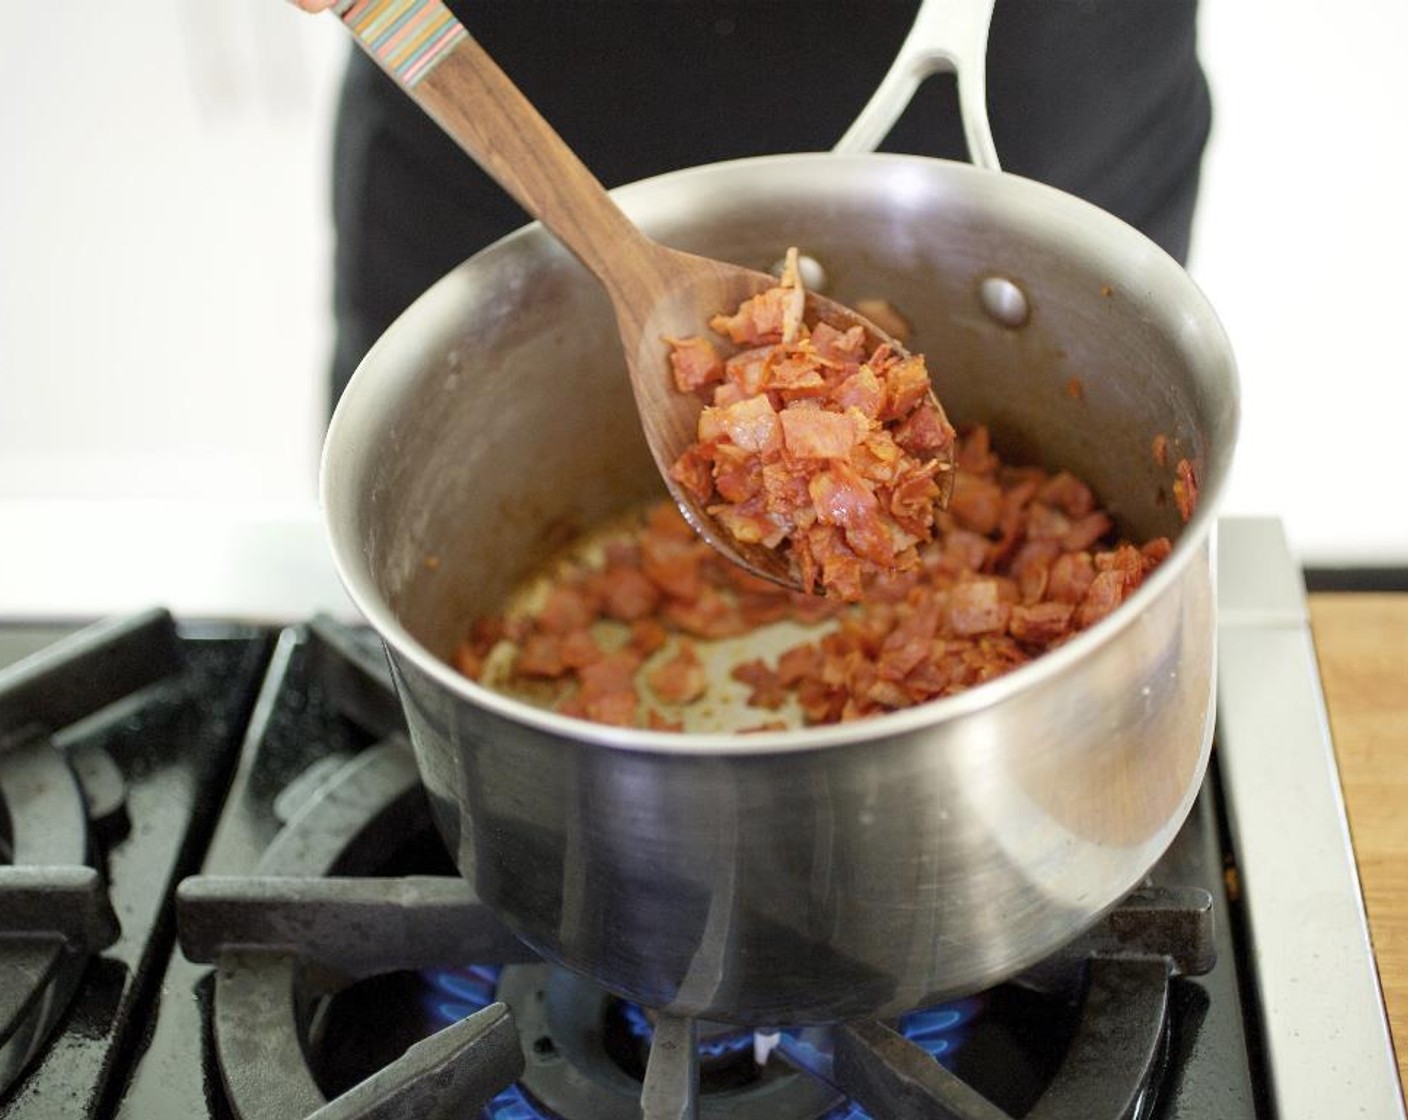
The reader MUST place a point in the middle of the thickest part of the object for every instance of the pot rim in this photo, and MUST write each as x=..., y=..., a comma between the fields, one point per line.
x=1198, y=530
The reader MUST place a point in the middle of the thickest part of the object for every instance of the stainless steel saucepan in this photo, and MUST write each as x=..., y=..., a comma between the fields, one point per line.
x=816, y=874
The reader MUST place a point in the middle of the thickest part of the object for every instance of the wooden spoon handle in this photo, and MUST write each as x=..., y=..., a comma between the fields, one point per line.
x=431, y=56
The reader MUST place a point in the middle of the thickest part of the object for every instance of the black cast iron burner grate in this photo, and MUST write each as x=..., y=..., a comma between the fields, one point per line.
x=269, y=934
x=54, y=905
x=287, y=939
x=115, y=746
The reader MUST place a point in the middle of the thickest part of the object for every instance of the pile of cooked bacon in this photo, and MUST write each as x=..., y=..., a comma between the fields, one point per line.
x=813, y=442
x=1022, y=559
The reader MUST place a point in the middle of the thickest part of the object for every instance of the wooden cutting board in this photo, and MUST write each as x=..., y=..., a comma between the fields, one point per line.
x=1361, y=640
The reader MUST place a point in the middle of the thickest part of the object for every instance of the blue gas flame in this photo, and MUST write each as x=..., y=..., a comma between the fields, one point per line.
x=734, y=1042
x=455, y=994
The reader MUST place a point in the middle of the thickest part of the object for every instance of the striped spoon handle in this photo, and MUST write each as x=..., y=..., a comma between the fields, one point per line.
x=431, y=56
x=405, y=37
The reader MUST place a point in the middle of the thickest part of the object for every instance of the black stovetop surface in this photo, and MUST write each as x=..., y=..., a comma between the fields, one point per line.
x=241, y=728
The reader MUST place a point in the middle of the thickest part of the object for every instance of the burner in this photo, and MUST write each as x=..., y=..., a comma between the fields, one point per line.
x=342, y=977
x=587, y=1052
x=108, y=766
x=54, y=908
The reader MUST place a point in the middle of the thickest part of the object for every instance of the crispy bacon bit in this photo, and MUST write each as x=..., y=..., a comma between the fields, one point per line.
x=579, y=649
x=1185, y=489
x=976, y=607
x=567, y=608
x=1041, y=624
x=615, y=708
x=656, y=722
x=1021, y=561
x=805, y=414
x=629, y=593
x=541, y=656
x=695, y=363
x=766, y=685
x=466, y=661
x=681, y=679
x=647, y=636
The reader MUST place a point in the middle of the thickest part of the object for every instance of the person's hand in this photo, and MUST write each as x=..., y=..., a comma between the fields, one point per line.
x=315, y=5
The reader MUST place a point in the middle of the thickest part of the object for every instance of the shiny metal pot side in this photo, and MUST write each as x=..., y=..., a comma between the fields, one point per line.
x=832, y=872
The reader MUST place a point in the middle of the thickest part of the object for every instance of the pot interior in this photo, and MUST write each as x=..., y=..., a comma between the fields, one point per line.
x=494, y=421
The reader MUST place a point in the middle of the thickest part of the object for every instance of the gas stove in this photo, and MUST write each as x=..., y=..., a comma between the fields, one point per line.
x=221, y=895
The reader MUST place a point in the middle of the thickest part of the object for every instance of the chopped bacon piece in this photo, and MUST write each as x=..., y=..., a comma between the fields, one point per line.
x=618, y=709
x=710, y=614
x=1185, y=489
x=663, y=519
x=766, y=685
x=681, y=679
x=758, y=319
x=841, y=497
x=1040, y=624
x=579, y=649
x=1085, y=532
x=975, y=454
x=976, y=503
x=1071, y=576
x=656, y=722
x=906, y=386
x=694, y=472
x=647, y=636
x=925, y=432
x=828, y=560
x=813, y=434
x=841, y=347
x=614, y=672
x=737, y=476
x=976, y=607
x=1046, y=522
x=1068, y=494
x=467, y=660
x=746, y=372
x=567, y=608
x=695, y=363
x=1155, y=552
x=672, y=564
x=861, y=391
x=752, y=424
x=798, y=664
x=910, y=642
x=629, y=593
x=541, y=656
x=1105, y=594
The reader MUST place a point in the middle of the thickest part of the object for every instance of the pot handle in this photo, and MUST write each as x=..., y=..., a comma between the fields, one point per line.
x=948, y=36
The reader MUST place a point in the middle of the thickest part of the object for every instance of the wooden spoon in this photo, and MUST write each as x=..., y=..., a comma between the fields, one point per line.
x=657, y=292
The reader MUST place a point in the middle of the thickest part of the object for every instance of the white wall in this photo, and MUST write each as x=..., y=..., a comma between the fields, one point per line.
x=162, y=278
x=1301, y=245
x=164, y=251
